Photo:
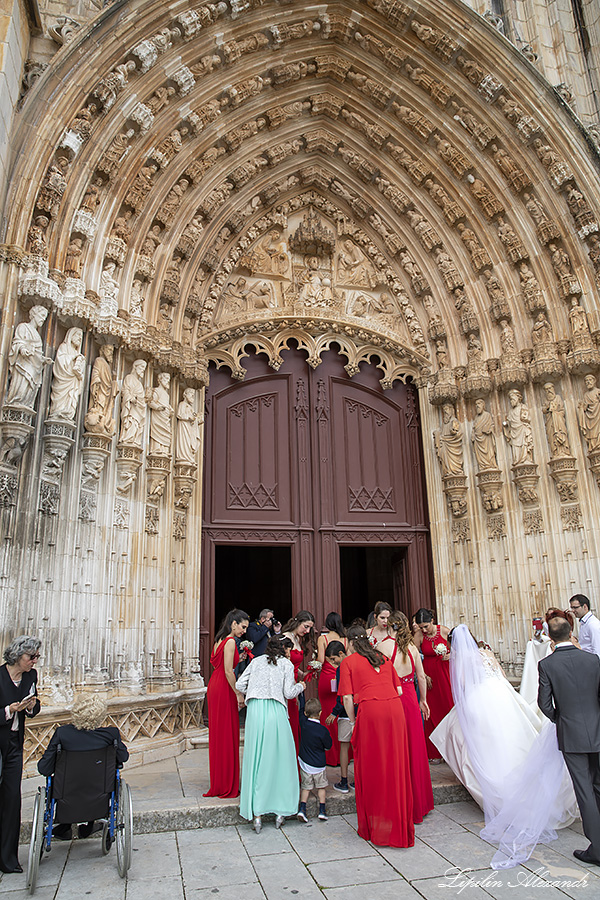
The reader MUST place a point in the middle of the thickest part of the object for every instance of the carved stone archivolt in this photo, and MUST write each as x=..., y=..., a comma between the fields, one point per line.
x=232, y=178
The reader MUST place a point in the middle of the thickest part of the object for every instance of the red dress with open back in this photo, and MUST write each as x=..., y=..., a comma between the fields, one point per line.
x=384, y=803
x=439, y=695
x=327, y=698
x=223, y=728
x=420, y=775
x=297, y=658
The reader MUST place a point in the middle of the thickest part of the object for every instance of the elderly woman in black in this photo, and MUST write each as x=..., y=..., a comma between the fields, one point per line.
x=18, y=698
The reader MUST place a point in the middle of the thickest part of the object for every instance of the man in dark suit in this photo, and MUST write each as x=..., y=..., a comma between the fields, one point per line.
x=569, y=695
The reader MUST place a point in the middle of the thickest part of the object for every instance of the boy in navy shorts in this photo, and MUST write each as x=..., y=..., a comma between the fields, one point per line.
x=314, y=741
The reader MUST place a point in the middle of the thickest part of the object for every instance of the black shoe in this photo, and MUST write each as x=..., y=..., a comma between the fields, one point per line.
x=16, y=871
x=89, y=828
x=586, y=857
x=62, y=833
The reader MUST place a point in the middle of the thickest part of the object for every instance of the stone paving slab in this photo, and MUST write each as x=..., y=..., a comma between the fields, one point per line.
x=322, y=859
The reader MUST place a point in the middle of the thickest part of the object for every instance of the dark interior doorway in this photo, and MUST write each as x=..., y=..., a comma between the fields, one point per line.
x=371, y=574
x=253, y=578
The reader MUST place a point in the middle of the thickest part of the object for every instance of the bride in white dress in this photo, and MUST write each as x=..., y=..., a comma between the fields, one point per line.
x=506, y=758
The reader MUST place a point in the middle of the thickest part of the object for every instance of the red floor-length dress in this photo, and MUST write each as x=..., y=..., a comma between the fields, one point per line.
x=420, y=775
x=439, y=695
x=384, y=802
x=297, y=658
x=223, y=728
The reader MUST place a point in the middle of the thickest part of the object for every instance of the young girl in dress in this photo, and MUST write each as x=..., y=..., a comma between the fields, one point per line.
x=224, y=702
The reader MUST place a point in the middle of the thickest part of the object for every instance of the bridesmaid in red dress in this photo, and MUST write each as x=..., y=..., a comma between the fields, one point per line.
x=223, y=708
x=384, y=802
x=406, y=660
x=432, y=641
x=327, y=676
x=299, y=630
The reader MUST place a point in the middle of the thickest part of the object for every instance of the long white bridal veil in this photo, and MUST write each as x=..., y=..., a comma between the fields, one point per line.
x=540, y=800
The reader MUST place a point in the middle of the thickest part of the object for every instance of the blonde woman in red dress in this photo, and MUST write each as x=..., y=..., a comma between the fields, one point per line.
x=327, y=681
x=432, y=641
x=384, y=801
x=224, y=702
x=299, y=630
x=406, y=660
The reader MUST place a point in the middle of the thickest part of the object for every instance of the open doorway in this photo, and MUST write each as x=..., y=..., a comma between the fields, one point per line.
x=253, y=578
x=371, y=574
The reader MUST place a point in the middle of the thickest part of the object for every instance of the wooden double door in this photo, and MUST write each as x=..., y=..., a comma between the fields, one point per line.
x=314, y=493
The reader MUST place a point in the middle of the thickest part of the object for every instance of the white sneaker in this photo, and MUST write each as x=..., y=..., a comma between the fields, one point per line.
x=279, y=820
x=302, y=816
x=257, y=824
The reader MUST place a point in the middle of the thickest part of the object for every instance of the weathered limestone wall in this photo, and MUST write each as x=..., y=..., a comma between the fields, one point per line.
x=14, y=41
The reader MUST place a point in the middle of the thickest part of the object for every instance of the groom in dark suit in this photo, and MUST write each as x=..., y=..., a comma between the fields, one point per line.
x=569, y=695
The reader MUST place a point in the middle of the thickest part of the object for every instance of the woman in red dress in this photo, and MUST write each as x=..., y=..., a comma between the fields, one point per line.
x=384, y=803
x=406, y=660
x=380, y=629
x=432, y=641
x=299, y=630
x=327, y=678
x=223, y=708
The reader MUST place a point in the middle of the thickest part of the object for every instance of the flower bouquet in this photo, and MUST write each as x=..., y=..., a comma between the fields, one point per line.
x=246, y=647
x=314, y=667
x=440, y=649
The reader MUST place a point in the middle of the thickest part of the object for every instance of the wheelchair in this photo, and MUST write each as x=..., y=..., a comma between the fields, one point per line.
x=86, y=785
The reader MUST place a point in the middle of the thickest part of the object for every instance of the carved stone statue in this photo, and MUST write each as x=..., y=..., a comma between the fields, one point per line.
x=448, y=443
x=542, y=333
x=136, y=300
x=578, y=318
x=72, y=267
x=507, y=338
x=517, y=430
x=133, y=405
x=188, y=429
x=109, y=290
x=160, y=416
x=26, y=360
x=67, y=380
x=103, y=390
x=556, y=423
x=353, y=267
x=588, y=414
x=483, y=438
x=261, y=296
x=271, y=256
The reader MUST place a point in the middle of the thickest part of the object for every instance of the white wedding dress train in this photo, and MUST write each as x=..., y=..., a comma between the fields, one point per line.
x=504, y=755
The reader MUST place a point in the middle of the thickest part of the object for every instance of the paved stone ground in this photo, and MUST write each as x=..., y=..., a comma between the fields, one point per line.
x=177, y=861
x=322, y=859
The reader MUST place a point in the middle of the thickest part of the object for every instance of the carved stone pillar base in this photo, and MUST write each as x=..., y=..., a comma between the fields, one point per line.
x=129, y=460
x=525, y=477
x=95, y=449
x=477, y=384
x=564, y=472
x=489, y=483
x=15, y=428
x=546, y=365
x=594, y=459
x=455, y=488
x=36, y=286
x=444, y=390
x=512, y=373
x=158, y=469
x=59, y=437
x=184, y=480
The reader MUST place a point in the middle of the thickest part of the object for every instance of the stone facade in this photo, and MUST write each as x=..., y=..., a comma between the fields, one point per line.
x=415, y=183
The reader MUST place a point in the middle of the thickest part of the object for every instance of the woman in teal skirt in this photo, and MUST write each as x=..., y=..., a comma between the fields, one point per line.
x=269, y=770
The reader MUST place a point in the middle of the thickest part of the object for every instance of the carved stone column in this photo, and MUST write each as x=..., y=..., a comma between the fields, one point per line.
x=129, y=460
x=59, y=437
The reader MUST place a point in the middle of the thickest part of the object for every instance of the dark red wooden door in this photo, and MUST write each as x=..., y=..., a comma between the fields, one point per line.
x=313, y=460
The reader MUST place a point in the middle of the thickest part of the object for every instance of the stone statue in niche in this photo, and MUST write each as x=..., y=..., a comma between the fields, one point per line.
x=424, y=230
x=91, y=198
x=161, y=413
x=133, y=405
x=483, y=438
x=515, y=247
x=547, y=229
x=103, y=390
x=479, y=255
x=542, y=332
x=441, y=355
x=517, y=430
x=474, y=349
x=67, y=380
x=188, y=429
x=555, y=421
x=151, y=242
x=72, y=268
x=507, y=338
x=136, y=300
x=26, y=360
x=588, y=414
x=159, y=99
x=561, y=263
x=516, y=177
x=109, y=290
x=578, y=318
x=353, y=267
x=53, y=187
x=260, y=296
x=448, y=443
x=187, y=331
x=164, y=322
x=36, y=237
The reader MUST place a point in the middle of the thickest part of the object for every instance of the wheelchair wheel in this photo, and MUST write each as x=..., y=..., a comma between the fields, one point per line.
x=106, y=841
x=124, y=830
x=36, y=846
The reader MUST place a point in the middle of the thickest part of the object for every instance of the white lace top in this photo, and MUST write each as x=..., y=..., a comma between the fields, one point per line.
x=264, y=681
